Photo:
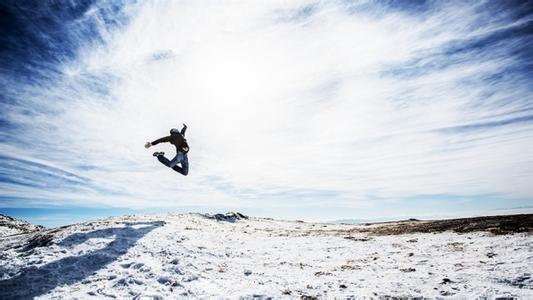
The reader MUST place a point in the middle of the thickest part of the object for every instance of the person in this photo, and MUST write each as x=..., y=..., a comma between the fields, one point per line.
x=176, y=138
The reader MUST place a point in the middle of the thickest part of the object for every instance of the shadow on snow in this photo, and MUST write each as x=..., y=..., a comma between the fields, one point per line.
x=36, y=281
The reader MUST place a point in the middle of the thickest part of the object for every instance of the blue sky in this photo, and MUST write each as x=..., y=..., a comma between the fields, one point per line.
x=313, y=110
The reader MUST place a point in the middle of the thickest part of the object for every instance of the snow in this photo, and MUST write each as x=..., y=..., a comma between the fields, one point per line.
x=192, y=255
x=5, y=231
x=11, y=226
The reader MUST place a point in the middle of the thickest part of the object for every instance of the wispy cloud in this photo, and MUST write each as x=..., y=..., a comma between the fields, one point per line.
x=322, y=104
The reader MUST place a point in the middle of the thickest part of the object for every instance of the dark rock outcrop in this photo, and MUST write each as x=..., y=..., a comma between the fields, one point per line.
x=227, y=217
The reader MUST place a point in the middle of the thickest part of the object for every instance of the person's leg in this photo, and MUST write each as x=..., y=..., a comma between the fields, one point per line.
x=184, y=169
x=176, y=160
x=178, y=169
x=163, y=160
x=170, y=163
x=185, y=164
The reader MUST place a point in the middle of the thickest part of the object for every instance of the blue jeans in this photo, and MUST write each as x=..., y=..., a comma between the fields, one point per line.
x=179, y=158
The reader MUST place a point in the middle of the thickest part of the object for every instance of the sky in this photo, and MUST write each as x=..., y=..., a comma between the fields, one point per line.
x=312, y=110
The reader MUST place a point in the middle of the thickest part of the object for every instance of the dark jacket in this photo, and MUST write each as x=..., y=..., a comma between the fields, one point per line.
x=176, y=139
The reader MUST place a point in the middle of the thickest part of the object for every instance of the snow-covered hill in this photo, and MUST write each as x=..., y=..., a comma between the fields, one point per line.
x=10, y=226
x=177, y=255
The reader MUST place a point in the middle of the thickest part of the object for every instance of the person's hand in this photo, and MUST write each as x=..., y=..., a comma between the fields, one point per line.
x=184, y=125
x=147, y=145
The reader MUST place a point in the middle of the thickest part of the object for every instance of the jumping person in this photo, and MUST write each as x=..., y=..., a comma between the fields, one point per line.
x=176, y=138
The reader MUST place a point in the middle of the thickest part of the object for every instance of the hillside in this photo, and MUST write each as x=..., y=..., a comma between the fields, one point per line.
x=11, y=226
x=194, y=255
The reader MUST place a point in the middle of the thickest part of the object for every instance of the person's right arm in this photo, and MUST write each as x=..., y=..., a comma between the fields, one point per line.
x=161, y=140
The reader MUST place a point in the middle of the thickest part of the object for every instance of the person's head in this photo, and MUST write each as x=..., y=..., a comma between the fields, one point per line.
x=174, y=131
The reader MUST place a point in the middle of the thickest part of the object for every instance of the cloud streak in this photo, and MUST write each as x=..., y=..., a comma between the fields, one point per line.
x=288, y=104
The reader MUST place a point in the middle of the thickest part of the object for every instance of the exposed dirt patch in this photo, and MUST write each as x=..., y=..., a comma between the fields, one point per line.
x=494, y=224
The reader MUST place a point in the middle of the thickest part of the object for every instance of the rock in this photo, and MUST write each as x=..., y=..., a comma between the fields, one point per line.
x=364, y=239
x=350, y=267
x=520, y=281
x=407, y=270
x=38, y=240
x=446, y=293
x=446, y=281
x=227, y=217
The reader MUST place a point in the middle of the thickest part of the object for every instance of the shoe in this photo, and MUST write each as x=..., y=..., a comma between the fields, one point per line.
x=158, y=153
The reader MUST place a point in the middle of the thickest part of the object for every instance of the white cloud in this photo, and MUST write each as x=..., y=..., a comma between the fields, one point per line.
x=275, y=103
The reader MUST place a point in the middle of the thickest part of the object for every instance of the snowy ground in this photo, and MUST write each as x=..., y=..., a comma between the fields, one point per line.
x=178, y=255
